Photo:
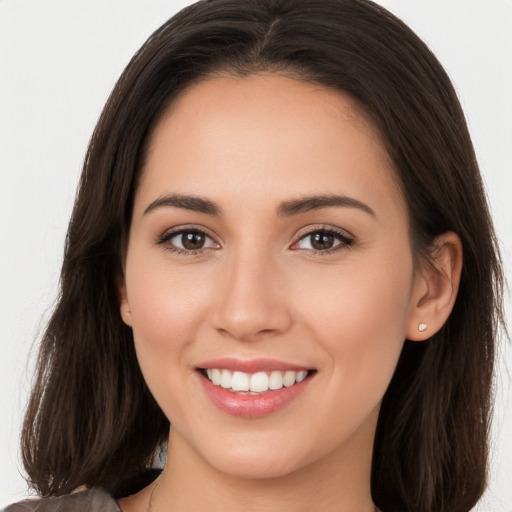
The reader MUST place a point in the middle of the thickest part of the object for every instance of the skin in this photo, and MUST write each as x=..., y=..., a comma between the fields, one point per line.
x=258, y=289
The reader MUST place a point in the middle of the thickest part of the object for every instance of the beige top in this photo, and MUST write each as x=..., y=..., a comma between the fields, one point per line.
x=91, y=500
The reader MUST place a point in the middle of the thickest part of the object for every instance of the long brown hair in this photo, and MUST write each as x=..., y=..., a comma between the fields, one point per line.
x=91, y=419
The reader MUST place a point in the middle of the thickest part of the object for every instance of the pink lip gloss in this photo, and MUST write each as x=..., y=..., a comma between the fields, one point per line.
x=250, y=405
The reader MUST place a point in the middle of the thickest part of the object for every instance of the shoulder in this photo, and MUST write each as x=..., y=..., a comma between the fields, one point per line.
x=95, y=499
x=91, y=500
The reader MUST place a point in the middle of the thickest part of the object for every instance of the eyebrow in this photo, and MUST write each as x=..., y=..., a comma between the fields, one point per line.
x=306, y=204
x=194, y=203
x=285, y=209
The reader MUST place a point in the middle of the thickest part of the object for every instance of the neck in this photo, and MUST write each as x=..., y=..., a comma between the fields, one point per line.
x=338, y=482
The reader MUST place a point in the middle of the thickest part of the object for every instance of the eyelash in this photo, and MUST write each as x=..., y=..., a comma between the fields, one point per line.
x=166, y=237
x=345, y=240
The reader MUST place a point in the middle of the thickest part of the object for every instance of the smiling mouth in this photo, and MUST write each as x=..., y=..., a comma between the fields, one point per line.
x=257, y=383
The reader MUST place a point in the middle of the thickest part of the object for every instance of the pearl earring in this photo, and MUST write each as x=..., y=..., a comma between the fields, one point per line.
x=422, y=327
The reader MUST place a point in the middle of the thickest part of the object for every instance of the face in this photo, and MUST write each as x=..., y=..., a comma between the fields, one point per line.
x=269, y=253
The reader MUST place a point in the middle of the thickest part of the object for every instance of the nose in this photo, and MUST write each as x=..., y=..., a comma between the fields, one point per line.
x=252, y=303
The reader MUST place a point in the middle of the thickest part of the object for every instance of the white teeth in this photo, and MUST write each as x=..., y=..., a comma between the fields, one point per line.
x=226, y=379
x=289, y=379
x=276, y=380
x=216, y=376
x=240, y=382
x=259, y=382
x=301, y=376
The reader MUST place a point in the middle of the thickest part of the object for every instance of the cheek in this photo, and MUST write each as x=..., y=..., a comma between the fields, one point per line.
x=167, y=306
x=361, y=320
x=166, y=302
x=360, y=325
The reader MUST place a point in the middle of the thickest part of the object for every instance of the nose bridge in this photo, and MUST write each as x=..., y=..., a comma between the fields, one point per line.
x=251, y=303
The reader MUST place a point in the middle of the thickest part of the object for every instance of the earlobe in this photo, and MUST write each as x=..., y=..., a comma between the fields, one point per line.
x=126, y=315
x=123, y=303
x=435, y=288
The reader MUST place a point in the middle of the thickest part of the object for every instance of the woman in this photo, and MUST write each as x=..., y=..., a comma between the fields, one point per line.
x=277, y=195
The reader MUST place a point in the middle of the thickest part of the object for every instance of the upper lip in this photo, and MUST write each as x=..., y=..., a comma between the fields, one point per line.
x=251, y=365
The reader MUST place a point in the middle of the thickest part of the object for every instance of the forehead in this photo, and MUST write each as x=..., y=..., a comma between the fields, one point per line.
x=266, y=135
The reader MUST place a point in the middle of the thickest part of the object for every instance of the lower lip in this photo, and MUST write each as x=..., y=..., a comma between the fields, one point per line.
x=252, y=406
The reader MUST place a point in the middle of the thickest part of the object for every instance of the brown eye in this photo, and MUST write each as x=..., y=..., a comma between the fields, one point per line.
x=324, y=241
x=192, y=240
x=187, y=240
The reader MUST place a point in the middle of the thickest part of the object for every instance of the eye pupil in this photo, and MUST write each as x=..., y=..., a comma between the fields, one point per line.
x=193, y=240
x=321, y=241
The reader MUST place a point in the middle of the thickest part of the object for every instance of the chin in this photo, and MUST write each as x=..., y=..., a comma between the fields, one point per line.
x=260, y=456
x=258, y=466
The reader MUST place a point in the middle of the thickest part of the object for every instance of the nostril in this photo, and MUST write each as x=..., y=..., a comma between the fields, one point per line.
x=245, y=333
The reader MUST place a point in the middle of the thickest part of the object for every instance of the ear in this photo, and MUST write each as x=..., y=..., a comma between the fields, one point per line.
x=435, y=288
x=126, y=314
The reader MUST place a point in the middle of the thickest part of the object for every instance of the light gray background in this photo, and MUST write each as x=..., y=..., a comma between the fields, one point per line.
x=58, y=62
